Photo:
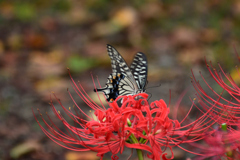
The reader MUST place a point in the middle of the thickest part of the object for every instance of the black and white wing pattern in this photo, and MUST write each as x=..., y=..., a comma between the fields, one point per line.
x=118, y=63
x=125, y=80
x=139, y=70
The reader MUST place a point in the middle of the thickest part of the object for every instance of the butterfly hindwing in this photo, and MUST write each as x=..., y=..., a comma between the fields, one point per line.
x=139, y=68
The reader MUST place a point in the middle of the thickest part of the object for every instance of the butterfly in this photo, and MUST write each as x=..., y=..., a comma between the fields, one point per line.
x=124, y=80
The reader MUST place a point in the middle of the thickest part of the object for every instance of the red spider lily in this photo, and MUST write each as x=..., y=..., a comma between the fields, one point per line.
x=232, y=139
x=214, y=146
x=133, y=123
x=221, y=144
x=228, y=111
x=224, y=143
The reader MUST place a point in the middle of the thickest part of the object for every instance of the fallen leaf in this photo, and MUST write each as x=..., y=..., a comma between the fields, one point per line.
x=236, y=7
x=184, y=36
x=35, y=40
x=124, y=17
x=81, y=156
x=24, y=148
x=191, y=56
x=58, y=85
x=43, y=64
x=209, y=35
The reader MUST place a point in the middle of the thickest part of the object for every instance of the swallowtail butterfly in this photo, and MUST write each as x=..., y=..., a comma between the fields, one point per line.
x=125, y=80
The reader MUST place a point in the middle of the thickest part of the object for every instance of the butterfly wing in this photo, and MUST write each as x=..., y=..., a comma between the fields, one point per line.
x=120, y=66
x=121, y=81
x=139, y=69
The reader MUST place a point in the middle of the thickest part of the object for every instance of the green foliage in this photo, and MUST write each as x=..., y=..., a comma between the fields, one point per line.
x=222, y=55
x=61, y=5
x=80, y=64
x=24, y=11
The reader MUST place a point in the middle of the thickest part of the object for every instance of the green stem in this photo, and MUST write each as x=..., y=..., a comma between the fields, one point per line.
x=134, y=140
x=224, y=126
x=140, y=155
x=224, y=129
x=139, y=151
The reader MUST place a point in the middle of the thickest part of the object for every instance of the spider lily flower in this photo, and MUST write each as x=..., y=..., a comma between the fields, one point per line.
x=224, y=142
x=232, y=140
x=133, y=123
x=228, y=111
x=221, y=144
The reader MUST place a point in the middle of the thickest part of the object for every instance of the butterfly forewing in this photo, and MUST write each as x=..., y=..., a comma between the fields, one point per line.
x=139, y=70
x=118, y=64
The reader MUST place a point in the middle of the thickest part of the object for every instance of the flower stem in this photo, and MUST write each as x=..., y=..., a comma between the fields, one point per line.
x=224, y=126
x=134, y=139
x=140, y=155
x=139, y=151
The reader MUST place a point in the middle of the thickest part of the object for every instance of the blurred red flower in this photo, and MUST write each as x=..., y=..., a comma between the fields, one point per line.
x=228, y=111
x=130, y=121
x=223, y=142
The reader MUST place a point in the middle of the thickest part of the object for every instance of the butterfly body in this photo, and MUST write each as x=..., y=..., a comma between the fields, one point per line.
x=125, y=80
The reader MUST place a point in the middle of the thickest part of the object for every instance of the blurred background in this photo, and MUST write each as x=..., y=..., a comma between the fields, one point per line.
x=39, y=39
